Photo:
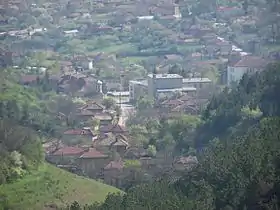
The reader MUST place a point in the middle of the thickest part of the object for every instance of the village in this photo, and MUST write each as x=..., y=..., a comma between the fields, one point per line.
x=120, y=52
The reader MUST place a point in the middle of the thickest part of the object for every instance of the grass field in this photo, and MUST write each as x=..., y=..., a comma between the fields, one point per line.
x=50, y=186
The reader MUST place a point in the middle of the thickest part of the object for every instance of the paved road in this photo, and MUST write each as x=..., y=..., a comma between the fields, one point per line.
x=126, y=108
x=126, y=111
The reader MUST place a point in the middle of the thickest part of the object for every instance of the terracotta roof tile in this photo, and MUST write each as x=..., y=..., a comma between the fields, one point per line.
x=93, y=153
x=251, y=62
x=69, y=151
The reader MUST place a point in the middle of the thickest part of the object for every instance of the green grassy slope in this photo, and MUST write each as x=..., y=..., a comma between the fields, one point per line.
x=49, y=187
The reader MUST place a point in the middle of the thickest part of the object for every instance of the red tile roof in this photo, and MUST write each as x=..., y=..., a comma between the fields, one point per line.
x=69, y=151
x=115, y=165
x=251, y=62
x=29, y=78
x=93, y=153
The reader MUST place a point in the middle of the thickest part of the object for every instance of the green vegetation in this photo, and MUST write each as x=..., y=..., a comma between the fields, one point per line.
x=28, y=118
x=238, y=140
x=49, y=186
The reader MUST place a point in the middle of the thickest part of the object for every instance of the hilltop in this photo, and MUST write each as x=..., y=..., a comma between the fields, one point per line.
x=50, y=187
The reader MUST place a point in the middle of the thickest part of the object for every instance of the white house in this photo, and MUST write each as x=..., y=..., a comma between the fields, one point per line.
x=246, y=64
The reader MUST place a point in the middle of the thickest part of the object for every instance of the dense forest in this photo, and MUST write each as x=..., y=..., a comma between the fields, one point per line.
x=238, y=151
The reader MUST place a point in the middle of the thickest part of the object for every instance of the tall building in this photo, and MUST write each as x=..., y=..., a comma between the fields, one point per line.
x=177, y=13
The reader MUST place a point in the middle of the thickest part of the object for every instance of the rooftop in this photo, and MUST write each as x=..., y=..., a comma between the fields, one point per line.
x=166, y=76
x=196, y=80
x=184, y=89
x=115, y=165
x=78, y=132
x=139, y=82
x=69, y=151
x=252, y=62
x=93, y=153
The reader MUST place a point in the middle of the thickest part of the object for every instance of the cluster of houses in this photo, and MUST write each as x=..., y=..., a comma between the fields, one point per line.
x=104, y=151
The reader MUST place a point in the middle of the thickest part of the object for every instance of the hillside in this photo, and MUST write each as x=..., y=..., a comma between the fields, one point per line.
x=49, y=187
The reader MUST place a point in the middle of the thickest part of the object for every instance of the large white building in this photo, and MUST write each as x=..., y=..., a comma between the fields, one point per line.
x=246, y=64
x=164, y=84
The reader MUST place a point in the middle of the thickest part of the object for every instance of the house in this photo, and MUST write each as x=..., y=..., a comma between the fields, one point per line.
x=91, y=87
x=183, y=163
x=110, y=142
x=84, y=115
x=115, y=129
x=246, y=64
x=93, y=107
x=171, y=103
x=198, y=83
x=84, y=135
x=67, y=155
x=92, y=161
x=185, y=108
x=104, y=118
x=113, y=173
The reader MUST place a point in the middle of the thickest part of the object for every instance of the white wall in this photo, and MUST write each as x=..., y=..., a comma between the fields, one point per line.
x=234, y=74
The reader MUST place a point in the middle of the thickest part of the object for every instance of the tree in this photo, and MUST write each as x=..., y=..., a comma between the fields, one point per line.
x=175, y=69
x=152, y=151
x=182, y=130
x=109, y=103
x=144, y=103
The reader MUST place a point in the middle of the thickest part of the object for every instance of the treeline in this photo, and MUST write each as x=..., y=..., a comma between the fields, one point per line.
x=24, y=122
x=238, y=148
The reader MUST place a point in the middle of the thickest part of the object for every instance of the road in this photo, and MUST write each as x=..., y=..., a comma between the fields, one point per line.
x=126, y=109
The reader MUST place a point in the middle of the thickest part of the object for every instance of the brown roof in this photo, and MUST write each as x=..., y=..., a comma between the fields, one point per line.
x=251, y=62
x=85, y=113
x=111, y=140
x=78, y=132
x=183, y=107
x=93, y=153
x=93, y=106
x=174, y=102
x=115, y=165
x=69, y=151
x=112, y=128
x=29, y=78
